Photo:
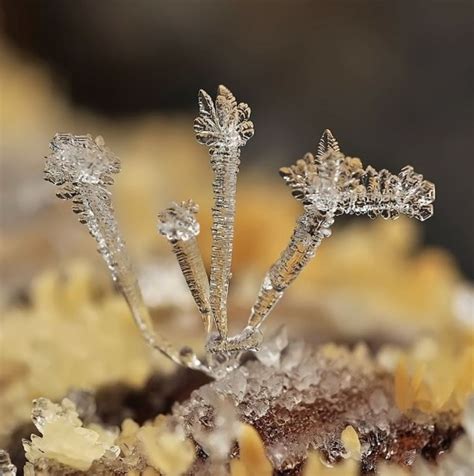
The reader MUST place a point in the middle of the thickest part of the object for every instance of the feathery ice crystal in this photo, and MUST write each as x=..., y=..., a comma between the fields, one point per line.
x=327, y=184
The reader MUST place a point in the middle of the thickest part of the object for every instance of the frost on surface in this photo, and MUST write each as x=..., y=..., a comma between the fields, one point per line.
x=330, y=400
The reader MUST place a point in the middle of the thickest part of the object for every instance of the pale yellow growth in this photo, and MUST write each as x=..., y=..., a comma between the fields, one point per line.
x=351, y=442
x=168, y=451
x=66, y=441
x=149, y=471
x=434, y=375
x=67, y=327
x=253, y=459
x=315, y=467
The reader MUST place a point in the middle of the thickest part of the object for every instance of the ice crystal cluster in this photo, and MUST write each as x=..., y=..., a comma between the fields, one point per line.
x=328, y=184
x=301, y=400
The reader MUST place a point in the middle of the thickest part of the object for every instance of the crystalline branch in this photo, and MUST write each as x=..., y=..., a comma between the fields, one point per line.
x=224, y=127
x=327, y=184
x=330, y=184
x=82, y=168
x=179, y=225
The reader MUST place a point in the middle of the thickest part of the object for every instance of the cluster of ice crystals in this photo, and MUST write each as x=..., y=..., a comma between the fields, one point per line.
x=82, y=169
x=178, y=222
x=80, y=160
x=338, y=184
x=301, y=399
x=223, y=125
x=328, y=184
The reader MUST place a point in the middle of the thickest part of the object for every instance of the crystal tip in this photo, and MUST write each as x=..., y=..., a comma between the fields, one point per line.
x=178, y=221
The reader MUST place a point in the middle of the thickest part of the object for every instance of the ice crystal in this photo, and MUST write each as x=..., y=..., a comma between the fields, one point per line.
x=328, y=184
x=224, y=127
x=82, y=167
x=179, y=225
x=331, y=184
x=319, y=400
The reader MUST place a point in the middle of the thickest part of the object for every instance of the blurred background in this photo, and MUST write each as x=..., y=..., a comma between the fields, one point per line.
x=393, y=80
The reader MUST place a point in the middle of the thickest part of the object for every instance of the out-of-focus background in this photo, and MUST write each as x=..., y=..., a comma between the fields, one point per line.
x=393, y=80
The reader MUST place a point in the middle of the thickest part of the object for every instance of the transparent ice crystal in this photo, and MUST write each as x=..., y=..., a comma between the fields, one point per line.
x=178, y=222
x=224, y=127
x=179, y=225
x=82, y=168
x=327, y=184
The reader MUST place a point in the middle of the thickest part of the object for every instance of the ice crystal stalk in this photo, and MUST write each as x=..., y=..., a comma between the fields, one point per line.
x=82, y=169
x=331, y=184
x=309, y=232
x=179, y=225
x=224, y=127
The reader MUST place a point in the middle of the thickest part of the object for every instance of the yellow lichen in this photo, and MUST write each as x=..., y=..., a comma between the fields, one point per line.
x=67, y=327
x=253, y=459
x=168, y=451
x=66, y=441
x=434, y=375
x=351, y=442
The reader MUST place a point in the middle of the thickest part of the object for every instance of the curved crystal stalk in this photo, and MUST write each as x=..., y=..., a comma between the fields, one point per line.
x=330, y=184
x=310, y=230
x=82, y=169
x=224, y=127
x=179, y=225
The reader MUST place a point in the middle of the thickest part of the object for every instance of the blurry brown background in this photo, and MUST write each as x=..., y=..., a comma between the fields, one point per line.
x=393, y=80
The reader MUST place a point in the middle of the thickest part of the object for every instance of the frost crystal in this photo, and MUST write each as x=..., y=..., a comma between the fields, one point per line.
x=328, y=184
x=331, y=184
x=82, y=167
x=317, y=400
x=179, y=225
x=224, y=127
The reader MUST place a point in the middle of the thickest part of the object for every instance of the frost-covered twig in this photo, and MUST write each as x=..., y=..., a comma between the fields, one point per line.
x=224, y=127
x=82, y=168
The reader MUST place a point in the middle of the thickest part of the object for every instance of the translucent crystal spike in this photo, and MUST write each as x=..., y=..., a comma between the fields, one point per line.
x=326, y=143
x=82, y=168
x=179, y=225
x=224, y=127
x=310, y=230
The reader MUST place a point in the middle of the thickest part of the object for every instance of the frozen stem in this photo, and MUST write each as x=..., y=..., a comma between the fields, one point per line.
x=331, y=184
x=224, y=127
x=82, y=169
x=179, y=225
